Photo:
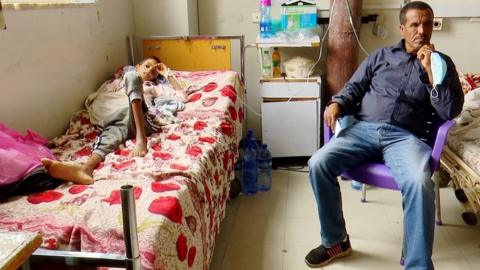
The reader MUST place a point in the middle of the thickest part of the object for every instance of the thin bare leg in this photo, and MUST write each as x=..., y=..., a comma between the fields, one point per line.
x=140, y=149
x=73, y=172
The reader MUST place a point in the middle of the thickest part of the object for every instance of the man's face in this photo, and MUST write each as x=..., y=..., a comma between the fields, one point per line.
x=147, y=70
x=417, y=29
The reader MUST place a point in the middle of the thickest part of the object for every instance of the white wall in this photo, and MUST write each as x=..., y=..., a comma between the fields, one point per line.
x=51, y=59
x=165, y=17
x=232, y=17
x=458, y=39
x=192, y=14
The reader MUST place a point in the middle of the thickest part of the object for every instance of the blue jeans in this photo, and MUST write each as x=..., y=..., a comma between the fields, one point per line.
x=408, y=159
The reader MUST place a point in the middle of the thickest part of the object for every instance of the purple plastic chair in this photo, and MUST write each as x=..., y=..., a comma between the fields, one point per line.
x=377, y=174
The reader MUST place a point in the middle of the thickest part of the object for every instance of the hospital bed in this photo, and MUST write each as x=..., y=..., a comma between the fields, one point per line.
x=180, y=188
x=461, y=159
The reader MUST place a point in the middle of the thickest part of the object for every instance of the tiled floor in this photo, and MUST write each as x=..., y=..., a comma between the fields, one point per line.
x=276, y=229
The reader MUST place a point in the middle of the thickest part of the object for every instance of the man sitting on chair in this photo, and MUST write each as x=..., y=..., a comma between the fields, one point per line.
x=393, y=99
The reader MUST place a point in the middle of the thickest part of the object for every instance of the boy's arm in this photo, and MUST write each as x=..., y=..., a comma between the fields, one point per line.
x=163, y=70
x=173, y=81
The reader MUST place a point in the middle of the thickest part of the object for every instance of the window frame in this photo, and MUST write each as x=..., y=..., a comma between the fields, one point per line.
x=42, y=4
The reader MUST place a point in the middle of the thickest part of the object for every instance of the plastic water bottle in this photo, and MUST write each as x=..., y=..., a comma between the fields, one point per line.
x=251, y=141
x=267, y=71
x=265, y=19
x=264, y=169
x=250, y=166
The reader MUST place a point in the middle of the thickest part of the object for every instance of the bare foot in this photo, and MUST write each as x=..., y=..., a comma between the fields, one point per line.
x=140, y=149
x=71, y=172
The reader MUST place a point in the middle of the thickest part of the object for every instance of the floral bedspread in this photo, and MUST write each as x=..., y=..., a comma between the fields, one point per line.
x=181, y=186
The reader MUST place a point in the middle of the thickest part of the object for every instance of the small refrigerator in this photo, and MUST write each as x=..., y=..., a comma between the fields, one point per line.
x=291, y=128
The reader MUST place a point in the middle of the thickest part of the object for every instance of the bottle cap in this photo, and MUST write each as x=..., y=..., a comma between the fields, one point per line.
x=266, y=3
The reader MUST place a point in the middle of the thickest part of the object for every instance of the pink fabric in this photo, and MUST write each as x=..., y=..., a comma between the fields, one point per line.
x=20, y=154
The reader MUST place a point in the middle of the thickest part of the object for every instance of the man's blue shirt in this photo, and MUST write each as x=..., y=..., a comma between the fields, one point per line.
x=391, y=86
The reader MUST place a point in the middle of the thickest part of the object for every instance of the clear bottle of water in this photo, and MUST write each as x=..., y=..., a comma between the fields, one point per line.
x=264, y=169
x=265, y=19
x=250, y=166
x=252, y=141
x=267, y=71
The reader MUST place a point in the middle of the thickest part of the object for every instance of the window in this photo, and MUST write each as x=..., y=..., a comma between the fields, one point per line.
x=20, y=4
x=46, y=1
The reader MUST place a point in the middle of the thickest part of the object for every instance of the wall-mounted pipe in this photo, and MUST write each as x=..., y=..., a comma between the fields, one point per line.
x=342, y=52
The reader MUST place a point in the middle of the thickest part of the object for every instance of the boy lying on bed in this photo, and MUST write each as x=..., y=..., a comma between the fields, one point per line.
x=122, y=123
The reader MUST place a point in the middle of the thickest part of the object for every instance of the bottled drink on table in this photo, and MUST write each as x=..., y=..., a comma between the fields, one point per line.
x=265, y=19
x=276, y=62
x=266, y=63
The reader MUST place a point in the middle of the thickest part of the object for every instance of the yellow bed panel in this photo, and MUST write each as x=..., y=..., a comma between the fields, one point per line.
x=190, y=54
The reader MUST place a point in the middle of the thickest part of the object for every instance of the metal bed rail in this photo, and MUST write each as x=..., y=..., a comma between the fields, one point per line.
x=131, y=259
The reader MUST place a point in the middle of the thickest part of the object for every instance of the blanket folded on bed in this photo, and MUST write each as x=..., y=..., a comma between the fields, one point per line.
x=471, y=107
x=111, y=97
x=20, y=154
x=167, y=108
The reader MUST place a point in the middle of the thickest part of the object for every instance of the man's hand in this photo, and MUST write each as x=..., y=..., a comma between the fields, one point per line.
x=424, y=56
x=331, y=114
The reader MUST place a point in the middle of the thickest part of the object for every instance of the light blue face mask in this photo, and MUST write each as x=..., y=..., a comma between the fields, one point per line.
x=439, y=70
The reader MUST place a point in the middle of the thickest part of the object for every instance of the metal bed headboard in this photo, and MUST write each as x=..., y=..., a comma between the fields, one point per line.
x=241, y=39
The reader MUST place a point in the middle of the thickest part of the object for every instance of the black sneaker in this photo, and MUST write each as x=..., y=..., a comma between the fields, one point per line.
x=321, y=255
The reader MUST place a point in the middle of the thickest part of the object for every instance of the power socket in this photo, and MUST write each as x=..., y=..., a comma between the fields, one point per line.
x=437, y=24
x=255, y=17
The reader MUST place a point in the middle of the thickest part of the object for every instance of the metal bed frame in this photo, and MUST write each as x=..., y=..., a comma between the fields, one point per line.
x=131, y=259
x=465, y=185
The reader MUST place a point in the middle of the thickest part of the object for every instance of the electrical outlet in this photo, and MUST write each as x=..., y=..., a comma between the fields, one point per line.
x=255, y=17
x=437, y=23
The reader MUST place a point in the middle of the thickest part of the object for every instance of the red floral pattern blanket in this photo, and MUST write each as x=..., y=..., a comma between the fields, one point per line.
x=181, y=186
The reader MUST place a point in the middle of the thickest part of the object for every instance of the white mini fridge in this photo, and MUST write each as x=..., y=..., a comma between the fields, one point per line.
x=291, y=128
